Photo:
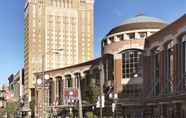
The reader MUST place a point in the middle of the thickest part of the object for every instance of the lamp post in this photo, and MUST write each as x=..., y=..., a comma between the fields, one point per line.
x=93, y=111
x=114, y=103
x=42, y=81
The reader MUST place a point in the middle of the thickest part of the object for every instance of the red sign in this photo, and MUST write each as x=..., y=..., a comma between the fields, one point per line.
x=71, y=94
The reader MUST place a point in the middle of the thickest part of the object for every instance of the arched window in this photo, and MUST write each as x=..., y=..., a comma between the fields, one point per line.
x=183, y=62
x=68, y=83
x=132, y=63
x=59, y=86
x=50, y=85
x=184, y=52
x=156, y=71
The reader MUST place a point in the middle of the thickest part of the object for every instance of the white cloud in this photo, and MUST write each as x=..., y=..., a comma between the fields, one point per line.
x=117, y=12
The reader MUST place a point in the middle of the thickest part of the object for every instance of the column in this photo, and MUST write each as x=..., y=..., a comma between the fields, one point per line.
x=137, y=36
x=117, y=73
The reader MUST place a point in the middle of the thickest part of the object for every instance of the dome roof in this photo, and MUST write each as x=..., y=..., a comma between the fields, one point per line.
x=142, y=18
x=139, y=22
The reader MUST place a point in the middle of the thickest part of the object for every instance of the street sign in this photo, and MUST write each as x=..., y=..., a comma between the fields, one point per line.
x=99, y=102
x=71, y=94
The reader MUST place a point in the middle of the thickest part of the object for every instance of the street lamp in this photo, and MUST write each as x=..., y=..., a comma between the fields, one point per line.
x=40, y=81
x=47, y=77
x=114, y=104
x=71, y=112
x=93, y=111
x=136, y=75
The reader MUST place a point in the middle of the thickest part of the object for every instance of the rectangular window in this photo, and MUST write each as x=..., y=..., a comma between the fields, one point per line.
x=50, y=92
x=131, y=64
x=184, y=56
x=183, y=62
x=156, y=81
x=120, y=37
x=69, y=82
x=143, y=35
x=111, y=39
x=59, y=86
x=131, y=35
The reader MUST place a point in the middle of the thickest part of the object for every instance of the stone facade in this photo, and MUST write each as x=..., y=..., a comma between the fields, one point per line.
x=52, y=25
x=66, y=85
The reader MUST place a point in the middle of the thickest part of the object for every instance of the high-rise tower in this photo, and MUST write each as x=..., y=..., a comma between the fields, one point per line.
x=56, y=24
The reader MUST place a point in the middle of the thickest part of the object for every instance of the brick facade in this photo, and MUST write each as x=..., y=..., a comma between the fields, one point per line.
x=169, y=100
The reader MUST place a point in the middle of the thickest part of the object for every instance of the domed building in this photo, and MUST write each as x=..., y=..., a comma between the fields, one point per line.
x=126, y=43
x=117, y=75
x=131, y=33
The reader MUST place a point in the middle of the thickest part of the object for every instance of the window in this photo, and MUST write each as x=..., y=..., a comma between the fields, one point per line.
x=50, y=92
x=68, y=81
x=143, y=34
x=59, y=86
x=184, y=53
x=120, y=37
x=111, y=39
x=156, y=72
x=184, y=57
x=131, y=63
x=131, y=35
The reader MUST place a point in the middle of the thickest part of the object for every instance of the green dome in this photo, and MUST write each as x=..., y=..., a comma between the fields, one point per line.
x=142, y=19
x=139, y=22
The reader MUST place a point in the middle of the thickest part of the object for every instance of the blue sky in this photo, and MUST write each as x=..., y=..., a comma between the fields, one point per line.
x=108, y=13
